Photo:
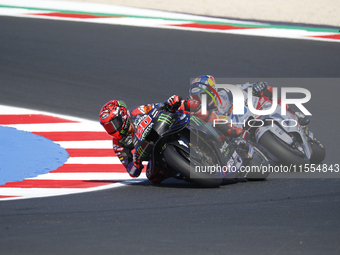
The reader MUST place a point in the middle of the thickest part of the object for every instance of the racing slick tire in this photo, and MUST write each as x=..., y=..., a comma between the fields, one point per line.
x=175, y=159
x=282, y=151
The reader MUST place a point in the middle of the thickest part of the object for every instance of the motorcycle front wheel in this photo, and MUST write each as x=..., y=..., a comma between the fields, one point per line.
x=181, y=162
x=282, y=151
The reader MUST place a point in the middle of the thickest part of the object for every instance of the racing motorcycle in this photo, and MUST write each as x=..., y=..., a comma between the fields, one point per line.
x=189, y=149
x=286, y=138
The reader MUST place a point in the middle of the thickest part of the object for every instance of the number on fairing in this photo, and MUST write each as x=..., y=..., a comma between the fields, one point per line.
x=142, y=126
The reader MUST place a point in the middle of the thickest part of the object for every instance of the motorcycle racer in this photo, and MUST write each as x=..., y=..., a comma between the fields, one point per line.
x=205, y=84
x=127, y=130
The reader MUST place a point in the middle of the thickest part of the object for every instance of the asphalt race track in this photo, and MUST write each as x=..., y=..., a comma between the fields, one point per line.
x=74, y=68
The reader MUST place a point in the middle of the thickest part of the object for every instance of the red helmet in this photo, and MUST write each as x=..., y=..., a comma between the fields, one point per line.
x=115, y=118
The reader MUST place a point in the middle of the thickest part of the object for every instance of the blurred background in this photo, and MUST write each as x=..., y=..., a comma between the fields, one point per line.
x=296, y=11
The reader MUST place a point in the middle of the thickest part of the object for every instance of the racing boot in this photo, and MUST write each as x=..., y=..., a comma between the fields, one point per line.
x=158, y=174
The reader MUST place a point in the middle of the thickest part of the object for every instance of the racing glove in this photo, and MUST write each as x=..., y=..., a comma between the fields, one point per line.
x=190, y=106
x=259, y=87
x=135, y=167
x=173, y=103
